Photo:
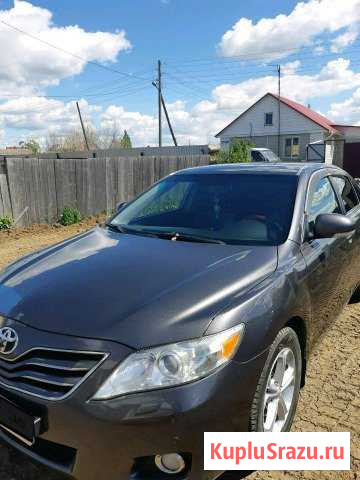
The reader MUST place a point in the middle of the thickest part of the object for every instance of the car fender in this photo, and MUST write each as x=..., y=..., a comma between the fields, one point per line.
x=269, y=306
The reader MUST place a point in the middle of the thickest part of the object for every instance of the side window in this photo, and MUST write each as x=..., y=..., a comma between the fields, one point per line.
x=346, y=191
x=322, y=200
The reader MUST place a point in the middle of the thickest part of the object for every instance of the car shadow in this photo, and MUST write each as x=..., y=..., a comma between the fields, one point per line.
x=235, y=474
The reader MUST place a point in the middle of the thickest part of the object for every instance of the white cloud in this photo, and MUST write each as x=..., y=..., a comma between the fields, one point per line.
x=269, y=36
x=142, y=128
x=347, y=111
x=319, y=50
x=39, y=116
x=344, y=40
x=335, y=77
x=197, y=125
x=290, y=68
x=26, y=65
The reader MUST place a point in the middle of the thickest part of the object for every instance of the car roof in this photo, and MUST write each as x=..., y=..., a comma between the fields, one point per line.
x=259, y=167
x=260, y=149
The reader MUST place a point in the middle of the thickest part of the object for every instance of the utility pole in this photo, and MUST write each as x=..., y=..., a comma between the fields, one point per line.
x=82, y=126
x=168, y=121
x=167, y=116
x=159, y=102
x=279, y=104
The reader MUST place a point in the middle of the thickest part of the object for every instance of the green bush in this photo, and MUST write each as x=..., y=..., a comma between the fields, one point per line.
x=70, y=216
x=238, y=152
x=5, y=223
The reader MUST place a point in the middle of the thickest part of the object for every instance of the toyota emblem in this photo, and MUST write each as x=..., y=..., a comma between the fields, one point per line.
x=9, y=340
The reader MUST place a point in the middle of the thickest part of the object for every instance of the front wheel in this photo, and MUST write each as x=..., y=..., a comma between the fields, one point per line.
x=277, y=392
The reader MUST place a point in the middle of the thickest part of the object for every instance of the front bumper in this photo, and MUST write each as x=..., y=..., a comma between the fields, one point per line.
x=90, y=440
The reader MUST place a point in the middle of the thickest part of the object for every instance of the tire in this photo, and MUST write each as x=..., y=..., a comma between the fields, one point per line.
x=355, y=296
x=271, y=395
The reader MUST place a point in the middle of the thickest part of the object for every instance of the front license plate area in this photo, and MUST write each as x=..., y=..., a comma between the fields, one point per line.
x=18, y=423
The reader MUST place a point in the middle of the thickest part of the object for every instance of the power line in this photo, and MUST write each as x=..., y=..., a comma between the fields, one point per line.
x=192, y=84
x=91, y=62
x=210, y=77
x=114, y=96
x=258, y=56
x=187, y=84
x=82, y=95
x=127, y=82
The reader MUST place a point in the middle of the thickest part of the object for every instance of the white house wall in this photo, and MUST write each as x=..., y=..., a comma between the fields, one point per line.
x=252, y=122
x=317, y=137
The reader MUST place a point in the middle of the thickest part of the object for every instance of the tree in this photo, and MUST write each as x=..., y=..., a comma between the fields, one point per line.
x=72, y=141
x=238, y=152
x=32, y=145
x=101, y=139
x=125, y=142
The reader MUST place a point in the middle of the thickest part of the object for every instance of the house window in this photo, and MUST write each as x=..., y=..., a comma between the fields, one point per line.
x=292, y=147
x=268, y=119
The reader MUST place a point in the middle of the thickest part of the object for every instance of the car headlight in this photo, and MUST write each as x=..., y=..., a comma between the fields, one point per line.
x=172, y=364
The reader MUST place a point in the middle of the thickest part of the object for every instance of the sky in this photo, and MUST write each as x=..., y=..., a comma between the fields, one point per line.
x=217, y=59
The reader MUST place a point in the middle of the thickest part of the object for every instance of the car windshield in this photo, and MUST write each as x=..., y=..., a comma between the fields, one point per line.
x=234, y=208
x=256, y=156
x=270, y=156
x=264, y=156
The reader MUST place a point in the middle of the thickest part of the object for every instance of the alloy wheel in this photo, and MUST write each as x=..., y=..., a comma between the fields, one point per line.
x=279, y=392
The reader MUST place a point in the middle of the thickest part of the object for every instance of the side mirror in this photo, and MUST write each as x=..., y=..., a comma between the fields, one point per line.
x=329, y=224
x=120, y=206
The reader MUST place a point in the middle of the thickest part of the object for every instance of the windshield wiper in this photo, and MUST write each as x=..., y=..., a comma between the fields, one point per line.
x=187, y=237
x=130, y=231
x=175, y=236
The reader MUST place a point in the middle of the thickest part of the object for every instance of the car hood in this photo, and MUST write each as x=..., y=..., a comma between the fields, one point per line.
x=136, y=290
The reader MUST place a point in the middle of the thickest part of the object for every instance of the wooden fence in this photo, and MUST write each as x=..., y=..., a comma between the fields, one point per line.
x=42, y=187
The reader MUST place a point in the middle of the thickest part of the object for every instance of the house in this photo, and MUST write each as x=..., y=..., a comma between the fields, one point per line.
x=291, y=130
x=15, y=151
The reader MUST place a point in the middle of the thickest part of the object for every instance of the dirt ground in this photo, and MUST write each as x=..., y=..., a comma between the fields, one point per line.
x=330, y=400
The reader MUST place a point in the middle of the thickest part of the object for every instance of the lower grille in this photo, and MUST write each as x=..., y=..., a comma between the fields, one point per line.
x=47, y=373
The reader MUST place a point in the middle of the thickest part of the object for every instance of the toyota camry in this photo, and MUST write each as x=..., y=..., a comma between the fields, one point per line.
x=194, y=308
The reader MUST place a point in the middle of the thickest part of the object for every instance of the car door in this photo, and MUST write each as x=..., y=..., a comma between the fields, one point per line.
x=325, y=258
x=350, y=203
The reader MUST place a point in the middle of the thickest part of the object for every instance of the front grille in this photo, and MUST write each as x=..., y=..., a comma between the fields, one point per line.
x=47, y=373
